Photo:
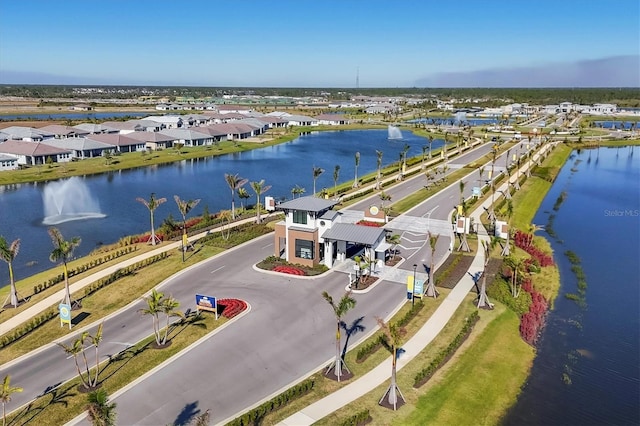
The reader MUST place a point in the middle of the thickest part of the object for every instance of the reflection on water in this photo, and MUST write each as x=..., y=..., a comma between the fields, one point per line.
x=597, y=349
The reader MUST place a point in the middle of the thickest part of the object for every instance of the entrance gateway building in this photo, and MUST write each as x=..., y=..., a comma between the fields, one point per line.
x=313, y=233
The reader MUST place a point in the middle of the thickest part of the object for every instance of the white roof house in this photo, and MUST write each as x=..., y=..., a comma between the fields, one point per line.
x=8, y=162
x=302, y=120
x=170, y=121
x=188, y=137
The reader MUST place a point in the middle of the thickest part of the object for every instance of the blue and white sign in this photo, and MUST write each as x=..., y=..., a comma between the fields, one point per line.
x=476, y=191
x=65, y=314
x=419, y=288
x=206, y=303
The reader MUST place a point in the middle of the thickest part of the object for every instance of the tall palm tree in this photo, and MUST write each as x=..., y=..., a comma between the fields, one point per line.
x=152, y=205
x=169, y=307
x=431, y=285
x=379, y=166
x=297, y=190
x=243, y=194
x=8, y=253
x=259, y=188
x=101, y=412
x=483, y=299
x=509, y=212
x=225, y=219
x=394, y=240
x=424, y=152
x=517, y=270
x=340, y=309
x=383, y=198
x=394, y=336
x=464, y=245
x=153, y=309
x=336, y=175
x=62, y=252
x=185, y=207
x=480, y=173
x=430, y=143
x=317, y=171
x=357, y=162
x=235, y=182
x=5, y=395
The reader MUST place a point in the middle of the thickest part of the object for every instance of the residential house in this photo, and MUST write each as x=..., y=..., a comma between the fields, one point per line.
x=169, y=121
x=332, y=119
x=301, y=120
x=34, y=153
x=27, y=134
x=123, y=127
x=62, y=132
x=92, y=128
x=8, y=162
x=81, y=148
x=188, y=137
x=122, y=143
x=154, y=141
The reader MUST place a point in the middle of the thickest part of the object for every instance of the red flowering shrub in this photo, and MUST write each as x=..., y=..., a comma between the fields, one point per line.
x=193, y=222
x=523, y=241
x=370, y=223
x=288, y=270
x=146, y=237
x=532, y=322
x=229, y=308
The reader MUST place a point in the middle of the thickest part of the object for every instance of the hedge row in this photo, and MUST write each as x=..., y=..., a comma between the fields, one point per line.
x=123, y=272
x=368, y=349
x=83, y=268
x=255, y=416
x=29, y=326
x=358, y=419
x=444, y=355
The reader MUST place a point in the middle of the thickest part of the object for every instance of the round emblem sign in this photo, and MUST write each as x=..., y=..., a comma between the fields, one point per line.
x=373, y=210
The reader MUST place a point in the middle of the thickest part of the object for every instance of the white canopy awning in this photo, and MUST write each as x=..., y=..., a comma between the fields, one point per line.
x=382, y=247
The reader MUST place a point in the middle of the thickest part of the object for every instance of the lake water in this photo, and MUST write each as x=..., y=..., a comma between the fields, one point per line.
x=597, y=347
x=282, y=166
x=75, y=116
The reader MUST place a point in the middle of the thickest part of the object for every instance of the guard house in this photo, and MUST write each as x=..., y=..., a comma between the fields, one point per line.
x=313, y=233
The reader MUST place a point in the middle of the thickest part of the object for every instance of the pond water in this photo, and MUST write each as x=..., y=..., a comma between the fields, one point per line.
x=282, y=166
x=587, y=370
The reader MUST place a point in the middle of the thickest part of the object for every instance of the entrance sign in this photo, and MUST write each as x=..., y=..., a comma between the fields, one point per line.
x=206, y=303
x=476, y=191
x=419, y=288
x=409, y=287
x=65, y=314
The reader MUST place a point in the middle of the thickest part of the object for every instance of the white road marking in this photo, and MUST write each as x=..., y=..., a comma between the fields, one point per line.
x=216, y=270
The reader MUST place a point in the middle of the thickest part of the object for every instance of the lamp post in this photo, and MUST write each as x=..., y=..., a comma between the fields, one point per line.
x=413, y=289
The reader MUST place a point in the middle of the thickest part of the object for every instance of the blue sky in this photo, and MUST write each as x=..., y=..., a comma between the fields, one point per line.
x=322, y=43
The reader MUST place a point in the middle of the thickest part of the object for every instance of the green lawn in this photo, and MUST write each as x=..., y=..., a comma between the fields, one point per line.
x=483, y=383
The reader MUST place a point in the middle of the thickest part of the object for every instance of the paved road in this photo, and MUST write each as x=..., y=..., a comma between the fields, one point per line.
x=288, y=333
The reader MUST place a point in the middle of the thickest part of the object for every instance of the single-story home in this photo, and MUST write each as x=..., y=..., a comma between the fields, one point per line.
x=169, y=121
x=188, y=137
x=81, y=147
x=123, y=143
x=124, y=127
x=8, y=162
x=34, y=153
x=154, y=141
x=332, y=119
x=61, y=132
x=92, y=128
x=27, y=134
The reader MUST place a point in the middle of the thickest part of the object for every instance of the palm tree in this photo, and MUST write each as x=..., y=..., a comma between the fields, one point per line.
x=96, y=339
x=340, y=309
x=383, y=198
x=62, y=252
x=74, y=350
x=259, y=188
x=243, y=194
x=5, y=395
x=424, y=152
x=8, y=253
x=430, y=143
x=235, y=182
x=101, y=412
x=480, y=173
x=394, y=240
x=357, y=161
x=151, y=205
x=169, y=307
x=154, y=302
x=225, y=219
x=185, y=207
x=297, y=190
x=505, y=249
x=431, y=286
x=336, y=175
x=394, y=336
x=317, y=171
x=517, y=270
x=464, y=245
x=379, y=165
x=483, y=299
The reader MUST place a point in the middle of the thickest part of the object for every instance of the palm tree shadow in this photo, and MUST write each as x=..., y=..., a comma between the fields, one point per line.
x=191, y=318
x=188, y=412
x=59, y=395
x=127, y=355
x=353, y=328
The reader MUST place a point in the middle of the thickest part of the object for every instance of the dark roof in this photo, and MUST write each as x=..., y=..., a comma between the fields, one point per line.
x=309, y=203
x=359, y=234
x=330, y=215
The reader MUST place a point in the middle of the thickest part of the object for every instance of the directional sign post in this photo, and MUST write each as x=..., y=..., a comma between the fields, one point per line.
x=65, y=314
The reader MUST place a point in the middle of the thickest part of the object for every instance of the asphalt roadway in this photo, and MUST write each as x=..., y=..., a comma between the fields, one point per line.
x=289, y=332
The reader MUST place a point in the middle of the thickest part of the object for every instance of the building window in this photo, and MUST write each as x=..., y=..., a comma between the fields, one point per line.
x=300, y=216
x=304, y=249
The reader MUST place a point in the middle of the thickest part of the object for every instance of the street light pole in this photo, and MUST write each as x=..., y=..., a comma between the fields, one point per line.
x=413, y=289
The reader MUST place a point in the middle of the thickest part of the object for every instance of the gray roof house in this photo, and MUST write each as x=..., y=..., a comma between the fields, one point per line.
x=8, y=162
x=153, y=140
x=81, y=147
x=123, y=143
x=124, y=127
x=95, y=128
x=61, y=132
x=188, y=137
x=28, y=134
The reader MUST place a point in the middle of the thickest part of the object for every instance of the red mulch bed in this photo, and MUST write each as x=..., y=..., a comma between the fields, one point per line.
x=229, y=308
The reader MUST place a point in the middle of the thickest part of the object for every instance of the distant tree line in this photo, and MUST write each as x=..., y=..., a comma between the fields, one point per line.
x=629, y=97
